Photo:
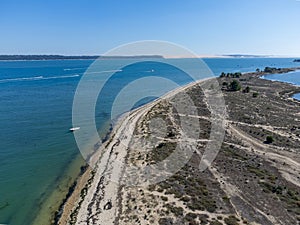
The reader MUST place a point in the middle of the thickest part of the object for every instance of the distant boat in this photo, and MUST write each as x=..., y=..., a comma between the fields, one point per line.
x=74, y=129
x=296, y=60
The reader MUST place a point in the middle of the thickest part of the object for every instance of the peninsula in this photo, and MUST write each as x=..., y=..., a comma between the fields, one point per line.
x=253, y=180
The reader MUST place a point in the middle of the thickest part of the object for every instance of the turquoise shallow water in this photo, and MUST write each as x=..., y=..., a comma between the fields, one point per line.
x=36, y=113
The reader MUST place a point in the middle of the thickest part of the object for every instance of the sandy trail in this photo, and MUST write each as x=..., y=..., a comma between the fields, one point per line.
x=233, y=191
x=287, y=163
x=282, y=131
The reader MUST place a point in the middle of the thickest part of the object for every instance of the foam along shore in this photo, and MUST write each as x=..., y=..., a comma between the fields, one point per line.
x=98, y=189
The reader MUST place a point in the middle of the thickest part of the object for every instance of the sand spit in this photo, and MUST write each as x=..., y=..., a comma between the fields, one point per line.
x=250, y=181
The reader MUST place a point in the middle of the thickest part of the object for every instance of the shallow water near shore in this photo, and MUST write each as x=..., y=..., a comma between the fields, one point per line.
x=38, y=154
x=292, y=78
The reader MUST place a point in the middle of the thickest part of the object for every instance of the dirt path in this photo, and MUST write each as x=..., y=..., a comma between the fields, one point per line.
x=287, y=163
x=233, y=192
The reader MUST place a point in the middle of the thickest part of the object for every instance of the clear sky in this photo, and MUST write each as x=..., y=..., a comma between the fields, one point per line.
x=76, y=27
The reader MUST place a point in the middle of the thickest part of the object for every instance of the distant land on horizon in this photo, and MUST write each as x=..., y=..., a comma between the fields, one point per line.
x=65, y=57
x=258, y=56
x=94, y=57
x=246, y=56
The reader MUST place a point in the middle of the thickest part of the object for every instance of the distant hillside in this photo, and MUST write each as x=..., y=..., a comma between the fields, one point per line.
x=63, y=57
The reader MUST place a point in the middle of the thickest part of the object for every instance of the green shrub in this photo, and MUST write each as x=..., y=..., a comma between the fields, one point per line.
x=231, y=220
x=190, y=216
x=164, y=198
x=235, y=85
x=165, y=221
x=215, y=222
x=271, y=69
x=247, y=89
x=269, y=140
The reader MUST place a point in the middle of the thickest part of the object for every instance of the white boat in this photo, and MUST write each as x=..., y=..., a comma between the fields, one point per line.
x=74, y=129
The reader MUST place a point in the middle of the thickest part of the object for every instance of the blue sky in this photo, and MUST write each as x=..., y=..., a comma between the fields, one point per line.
x=77, y=27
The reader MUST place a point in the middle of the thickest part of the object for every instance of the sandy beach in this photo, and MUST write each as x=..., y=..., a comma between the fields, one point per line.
x=95, y=196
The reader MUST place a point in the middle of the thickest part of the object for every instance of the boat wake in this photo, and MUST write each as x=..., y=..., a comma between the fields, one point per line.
x=78, y=68
x=104, y=71
x=37, y=78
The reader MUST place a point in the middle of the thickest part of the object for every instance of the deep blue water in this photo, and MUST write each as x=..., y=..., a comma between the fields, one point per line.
x=36, y=113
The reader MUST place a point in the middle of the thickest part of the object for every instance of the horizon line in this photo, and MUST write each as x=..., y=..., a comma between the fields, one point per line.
x=95, y=56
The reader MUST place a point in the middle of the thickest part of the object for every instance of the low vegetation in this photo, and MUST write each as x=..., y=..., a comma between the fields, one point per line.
x=231, y=75
x=235, y=86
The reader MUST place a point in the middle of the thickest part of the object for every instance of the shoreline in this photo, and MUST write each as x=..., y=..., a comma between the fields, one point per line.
x=263, y=75
x=291, y=94
x=52, y=205
x=88, y=175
